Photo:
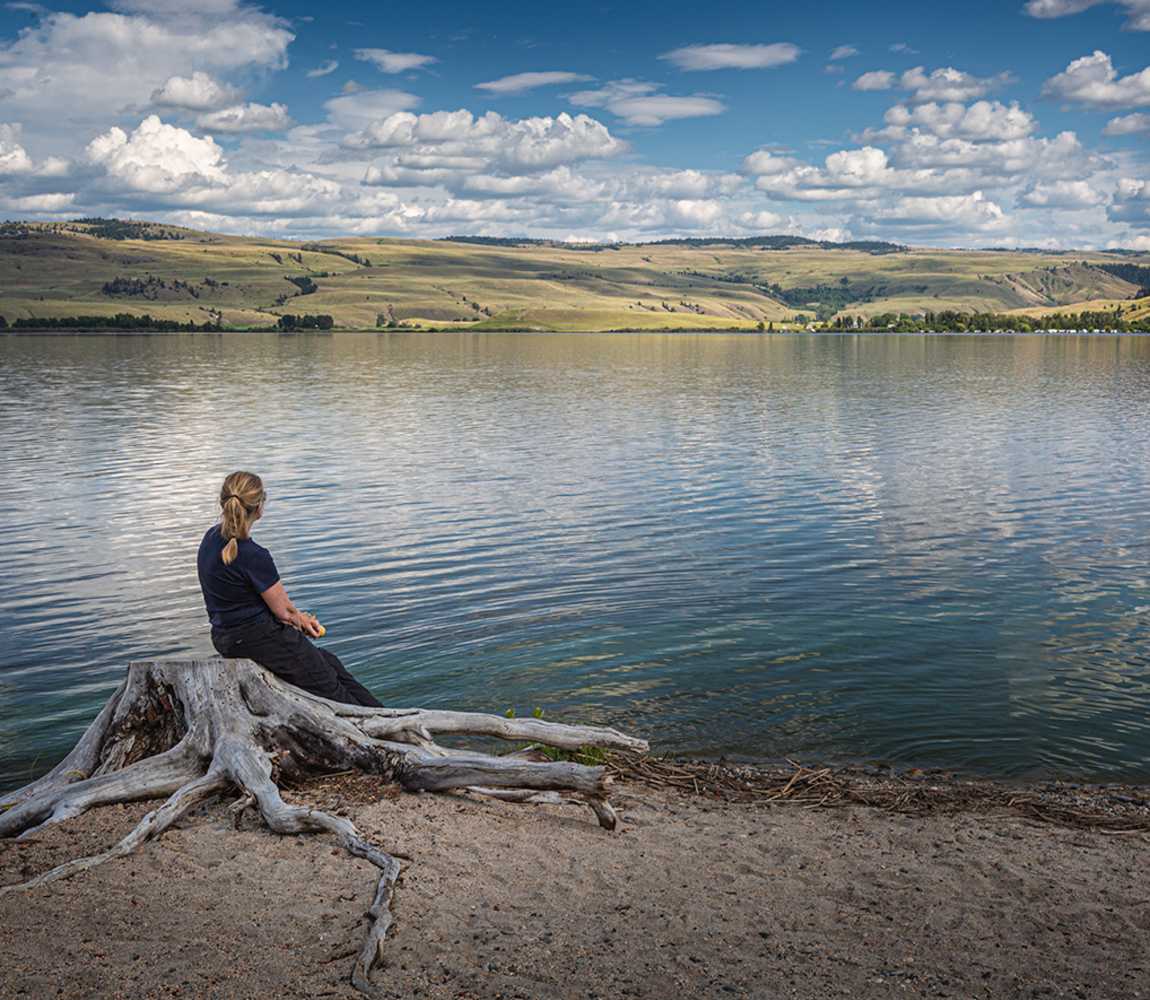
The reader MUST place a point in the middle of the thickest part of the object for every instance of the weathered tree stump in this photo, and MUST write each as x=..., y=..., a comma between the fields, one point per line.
x=190, y=729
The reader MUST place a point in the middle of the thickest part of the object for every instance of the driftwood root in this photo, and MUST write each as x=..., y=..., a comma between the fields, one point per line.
x=187, y=730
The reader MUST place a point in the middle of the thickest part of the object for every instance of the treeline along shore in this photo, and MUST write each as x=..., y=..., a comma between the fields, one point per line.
x=109, y=274
x=943, y=322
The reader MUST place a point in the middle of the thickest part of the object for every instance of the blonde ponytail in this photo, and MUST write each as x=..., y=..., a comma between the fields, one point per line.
x=241, y=497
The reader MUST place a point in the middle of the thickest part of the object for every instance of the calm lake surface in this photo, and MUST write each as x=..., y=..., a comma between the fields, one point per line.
x=921, y=550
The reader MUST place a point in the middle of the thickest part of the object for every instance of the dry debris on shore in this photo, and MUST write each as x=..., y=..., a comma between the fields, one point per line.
x=1110, y=808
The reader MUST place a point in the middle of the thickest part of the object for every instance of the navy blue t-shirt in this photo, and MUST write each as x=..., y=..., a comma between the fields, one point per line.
x=232, y=593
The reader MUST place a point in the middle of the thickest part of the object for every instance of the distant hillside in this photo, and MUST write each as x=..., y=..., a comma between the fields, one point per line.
x=109, y=267
x=763, y=242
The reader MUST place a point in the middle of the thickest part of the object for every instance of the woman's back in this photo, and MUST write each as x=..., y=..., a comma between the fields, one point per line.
x=232, y=592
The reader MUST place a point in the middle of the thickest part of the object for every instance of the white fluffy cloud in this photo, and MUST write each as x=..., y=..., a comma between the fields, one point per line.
x=1131, y=202
x=1135, y=124
x=519, y=83
x=1139, y=10
x=943, y=168
x=158, y=158
x=84, y=68
x=730, y=56
x=877, y=79
x=14, y=158
x=948, y=84
x=1063, y=194
x=844, y=52
x=763, y=221
x=323, y=69
x=458, y=140
x=971, y=212
x=198, y=92
x=247, y=118
x=170, y=166
x=1094, y=82
x=680, y=214
x=37, y=204
x=387, y=61
x=639, y=103
x=1061, y=157
x=981, y=121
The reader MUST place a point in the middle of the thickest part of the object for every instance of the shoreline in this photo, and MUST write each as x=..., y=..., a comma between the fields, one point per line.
x=769, y=772
x=697, y=894
x=1013, y=334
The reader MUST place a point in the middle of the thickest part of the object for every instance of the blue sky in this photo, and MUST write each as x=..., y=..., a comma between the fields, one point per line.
x=978, y=123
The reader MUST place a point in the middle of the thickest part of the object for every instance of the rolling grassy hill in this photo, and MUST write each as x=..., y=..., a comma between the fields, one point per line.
x=105, y=267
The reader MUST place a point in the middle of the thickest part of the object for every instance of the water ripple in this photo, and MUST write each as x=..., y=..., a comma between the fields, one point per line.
x=924, y=550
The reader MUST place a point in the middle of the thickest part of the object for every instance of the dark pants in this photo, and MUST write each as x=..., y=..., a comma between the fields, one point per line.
x=291, y=656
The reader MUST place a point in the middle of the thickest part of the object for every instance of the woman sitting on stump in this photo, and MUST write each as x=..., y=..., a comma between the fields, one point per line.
x=251, y=613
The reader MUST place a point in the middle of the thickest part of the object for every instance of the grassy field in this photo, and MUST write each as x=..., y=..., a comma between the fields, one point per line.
x=72, y=269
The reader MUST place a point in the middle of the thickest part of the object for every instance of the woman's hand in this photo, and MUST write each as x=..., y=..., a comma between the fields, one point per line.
x=309, y=625
x=280, y=605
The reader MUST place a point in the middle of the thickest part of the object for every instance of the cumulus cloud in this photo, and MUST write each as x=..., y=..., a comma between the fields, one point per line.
x=247, y=118
x=639, y=103
x=1059, y=158
x=729, y=56
x=559, y=184
x=198, y=92
x=948, y=84
x=1131, y=202
x=1138, y=10
x=323, y=69
x=458, y=140
x=387, y=61
x=862, y=174
x=858, y=167
x=159, y=163
x=676, y=215
x=844, y=52
x=767, y=163
x=970, y=212
x=877, y=79
x=1135, y=124
x=1131, y=242
x=39, y=203
x=14, y=158
x=157, y=158
x=1063, y=194
x=69, y=68
x=519, y=83
x=949, y=169
x=1092, y=81
x=762, y=221
x=982, y=120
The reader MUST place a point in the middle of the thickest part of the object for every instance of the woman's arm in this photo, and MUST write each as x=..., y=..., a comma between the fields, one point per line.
x=280, y=605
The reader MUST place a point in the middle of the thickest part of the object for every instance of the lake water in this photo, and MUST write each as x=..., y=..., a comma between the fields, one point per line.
x=921, y=550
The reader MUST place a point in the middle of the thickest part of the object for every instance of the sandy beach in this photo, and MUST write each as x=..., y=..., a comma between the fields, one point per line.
x=691, y=897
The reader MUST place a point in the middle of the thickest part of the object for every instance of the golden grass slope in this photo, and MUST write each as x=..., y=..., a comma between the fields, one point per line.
x=56, y=270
